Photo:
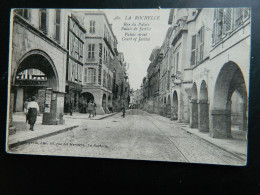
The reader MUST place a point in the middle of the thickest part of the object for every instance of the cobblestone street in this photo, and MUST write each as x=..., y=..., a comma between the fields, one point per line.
x=138, y=136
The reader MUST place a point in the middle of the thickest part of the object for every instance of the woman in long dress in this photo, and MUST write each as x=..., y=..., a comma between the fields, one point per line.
x=32, y=112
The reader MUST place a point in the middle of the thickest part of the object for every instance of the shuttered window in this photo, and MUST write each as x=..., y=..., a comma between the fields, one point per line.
x=43, y=20
x=193, y=50
x=201, y=43
x=246, y=13
x=227, y=20
x=177, y=63
x=57, y=25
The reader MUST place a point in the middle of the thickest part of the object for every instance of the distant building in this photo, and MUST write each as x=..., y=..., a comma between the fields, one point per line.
x=102, y=62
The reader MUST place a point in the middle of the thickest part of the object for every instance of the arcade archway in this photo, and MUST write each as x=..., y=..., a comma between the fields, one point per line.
x=203, y=108
x=87, y=97
x=194, y=107
x=230, y=83
x=34, y=73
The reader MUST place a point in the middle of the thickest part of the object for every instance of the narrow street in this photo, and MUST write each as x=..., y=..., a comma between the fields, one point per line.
x=137, y=136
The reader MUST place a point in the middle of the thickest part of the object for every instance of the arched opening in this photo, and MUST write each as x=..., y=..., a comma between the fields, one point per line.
x=104, y=103
x=203, y=108
x=194, y=107
x=86, y=97
x=35, y=73
x=230, y=85
x=175, y=106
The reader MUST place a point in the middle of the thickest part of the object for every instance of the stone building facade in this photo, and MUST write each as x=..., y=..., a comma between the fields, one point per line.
x=151, y=84
x=39, y=42
x=101, y=60
x=208, y=56
x=76, y=38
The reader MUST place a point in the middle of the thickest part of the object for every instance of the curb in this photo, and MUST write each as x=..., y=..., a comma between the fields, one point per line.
x=235, y=154
x=41, y=137
x=106, y=116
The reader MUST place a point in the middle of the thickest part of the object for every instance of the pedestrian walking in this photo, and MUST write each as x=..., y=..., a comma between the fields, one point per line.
x=71, y=108
x=123, y=111
x=32, y=112
x=90, y=108
x=94, y=110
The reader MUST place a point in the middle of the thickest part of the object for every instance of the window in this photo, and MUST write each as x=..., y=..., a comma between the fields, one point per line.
x=91, y=51
x=169, y=80
x=238, y=17
x=200, y=44
x=92, y=27
x=25, y=13
x=76, y=48
x=177, y=63
x=226, y=20
x=75, y=67
x=85, y=75
x=43, y=20
x=246, y=13
x=79, y=73
x=193, y=50
x=57, y=25
x=217, y=25
x=90, y=75
x=80, y=51
x=104, y=78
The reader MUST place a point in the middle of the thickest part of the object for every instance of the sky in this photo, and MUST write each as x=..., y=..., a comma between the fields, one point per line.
x=137, y=54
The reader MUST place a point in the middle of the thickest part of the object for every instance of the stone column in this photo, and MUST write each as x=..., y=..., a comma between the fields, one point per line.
x=203, y=116
x=19, y=100
x=193, y=114
x=220, y=122
x=98, y=100
x=244, y=117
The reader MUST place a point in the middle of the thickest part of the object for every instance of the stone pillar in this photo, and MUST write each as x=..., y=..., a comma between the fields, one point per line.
x=98, y=100
x=19, y=100
x=203, y=116
x=193, y=114
x=244, y=117
x=11, y=128
x=220, y=123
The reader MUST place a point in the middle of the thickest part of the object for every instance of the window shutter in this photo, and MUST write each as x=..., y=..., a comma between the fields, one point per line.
x=214, y=26
x=193, y=50
x=202, y=43
x=198, y=47
x=246, y=13
x=227, y=19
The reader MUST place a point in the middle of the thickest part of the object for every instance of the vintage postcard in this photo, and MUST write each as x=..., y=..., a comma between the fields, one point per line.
x=142, y=84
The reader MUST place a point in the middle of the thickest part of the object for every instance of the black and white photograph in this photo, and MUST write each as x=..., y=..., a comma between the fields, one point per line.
x=167, y=85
